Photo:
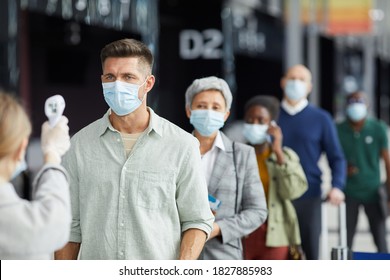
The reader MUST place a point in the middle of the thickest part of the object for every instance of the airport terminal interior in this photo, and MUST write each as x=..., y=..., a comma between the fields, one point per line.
x=50, y=47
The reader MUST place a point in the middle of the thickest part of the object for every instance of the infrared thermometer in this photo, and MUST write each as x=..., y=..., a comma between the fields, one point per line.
x=54, y=107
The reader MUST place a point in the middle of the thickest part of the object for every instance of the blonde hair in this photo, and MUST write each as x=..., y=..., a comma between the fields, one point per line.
x=15, y=126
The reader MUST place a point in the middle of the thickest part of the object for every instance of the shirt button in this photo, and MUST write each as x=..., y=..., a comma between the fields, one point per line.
x=118, y=140
x=122, y=224
x=123, y=196
x=121, y=253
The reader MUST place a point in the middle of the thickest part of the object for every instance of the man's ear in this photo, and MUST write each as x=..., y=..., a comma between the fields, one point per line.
x=150, y=83
x=283, y=83
x=309, y=87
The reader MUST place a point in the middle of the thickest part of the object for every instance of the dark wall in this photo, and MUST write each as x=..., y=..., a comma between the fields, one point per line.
x=57, y=66
x=176, y=73
x=256, y=76
x=326, y=74
x=255, y=73
x=259, y=73
x=382, y=89
x=9, y=67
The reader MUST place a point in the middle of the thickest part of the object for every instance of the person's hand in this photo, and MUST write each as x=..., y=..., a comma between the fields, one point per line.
x=55, y=141
x=352, y=170
x=276, y=132
x=336, y=196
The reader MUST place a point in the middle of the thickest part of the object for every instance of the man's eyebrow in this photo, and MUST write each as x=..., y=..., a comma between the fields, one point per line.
x=127, y=74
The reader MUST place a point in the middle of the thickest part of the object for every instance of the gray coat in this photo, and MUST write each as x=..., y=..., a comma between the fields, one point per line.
x=35, y=229
x=243, y=207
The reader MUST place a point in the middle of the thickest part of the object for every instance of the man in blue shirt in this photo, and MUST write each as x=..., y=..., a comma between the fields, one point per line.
x=310, y=131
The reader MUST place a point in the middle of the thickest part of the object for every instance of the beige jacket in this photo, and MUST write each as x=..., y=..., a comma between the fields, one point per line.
x=287, y=182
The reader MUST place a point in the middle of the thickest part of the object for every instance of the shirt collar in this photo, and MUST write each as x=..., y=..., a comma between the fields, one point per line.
x=293, y=110
x=155, y=123
x=218, y=142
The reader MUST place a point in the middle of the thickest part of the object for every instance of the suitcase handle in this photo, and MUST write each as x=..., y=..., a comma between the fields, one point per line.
x=342, y=225
x=341, y=251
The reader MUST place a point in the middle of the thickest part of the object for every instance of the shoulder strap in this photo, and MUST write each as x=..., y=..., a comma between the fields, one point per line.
x=235, y=170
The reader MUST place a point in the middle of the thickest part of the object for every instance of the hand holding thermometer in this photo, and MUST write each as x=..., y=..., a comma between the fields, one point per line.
x=54, y=107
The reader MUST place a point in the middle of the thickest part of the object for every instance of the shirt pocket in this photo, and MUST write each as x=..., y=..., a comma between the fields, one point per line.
x=155, y=189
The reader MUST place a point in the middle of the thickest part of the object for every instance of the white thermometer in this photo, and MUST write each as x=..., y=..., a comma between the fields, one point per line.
x=54, y=107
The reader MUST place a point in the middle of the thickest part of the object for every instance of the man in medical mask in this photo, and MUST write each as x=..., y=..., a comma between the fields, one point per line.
x=136, y=181
x=310, y=132
x=365, y=144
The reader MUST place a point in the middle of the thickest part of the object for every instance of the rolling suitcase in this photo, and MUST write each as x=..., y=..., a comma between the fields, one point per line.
x=341, y=251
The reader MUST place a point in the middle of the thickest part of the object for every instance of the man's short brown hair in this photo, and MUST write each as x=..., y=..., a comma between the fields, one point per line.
x=128, y=48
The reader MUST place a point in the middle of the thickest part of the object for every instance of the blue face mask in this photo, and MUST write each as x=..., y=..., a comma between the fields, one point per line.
x=122, y=97
x=206, y=122
x=356, y=111
x=255, y=134
x=295, y=89
x=22, y=166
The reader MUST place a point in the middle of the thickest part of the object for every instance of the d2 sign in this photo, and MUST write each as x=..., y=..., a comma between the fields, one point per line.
x=206, y=44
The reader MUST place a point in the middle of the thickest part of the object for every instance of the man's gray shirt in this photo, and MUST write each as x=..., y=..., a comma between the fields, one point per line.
x=135, y=207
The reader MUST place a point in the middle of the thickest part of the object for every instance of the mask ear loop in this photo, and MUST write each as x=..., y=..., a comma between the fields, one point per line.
x=143, y=97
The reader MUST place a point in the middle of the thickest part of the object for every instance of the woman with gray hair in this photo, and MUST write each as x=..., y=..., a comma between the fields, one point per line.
x=230, y=169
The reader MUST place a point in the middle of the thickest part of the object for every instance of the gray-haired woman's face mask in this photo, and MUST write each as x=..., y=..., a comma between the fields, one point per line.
x=206, y=122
